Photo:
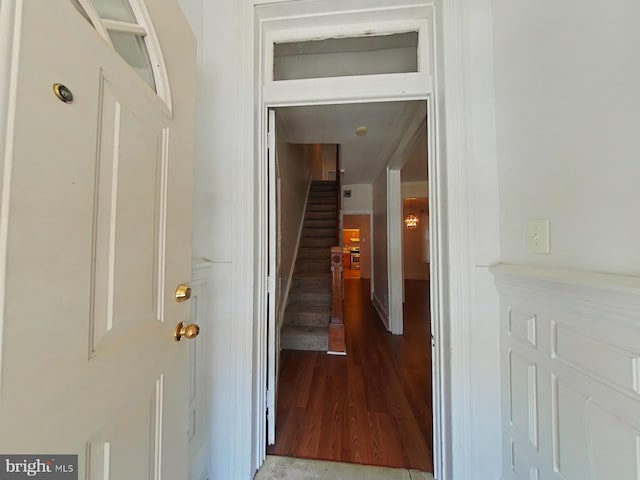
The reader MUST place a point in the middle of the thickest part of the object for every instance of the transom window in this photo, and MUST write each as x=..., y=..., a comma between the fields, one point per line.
x=346, y=56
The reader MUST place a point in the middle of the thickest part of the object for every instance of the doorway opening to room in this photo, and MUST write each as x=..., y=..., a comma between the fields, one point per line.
x=355, y=248
x=374, y=405
x=321, y=69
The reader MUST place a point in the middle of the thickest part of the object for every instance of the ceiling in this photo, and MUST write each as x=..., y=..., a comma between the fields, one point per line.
x=361, y=157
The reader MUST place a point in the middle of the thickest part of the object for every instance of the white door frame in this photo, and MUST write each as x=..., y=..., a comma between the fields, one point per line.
x=395, y=281
x=420, y=87
x=272, y=292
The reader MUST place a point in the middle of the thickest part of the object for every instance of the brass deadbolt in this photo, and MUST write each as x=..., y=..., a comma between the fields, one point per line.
x=183, y=293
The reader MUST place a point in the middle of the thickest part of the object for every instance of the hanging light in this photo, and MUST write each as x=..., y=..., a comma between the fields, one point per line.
x=411, y=221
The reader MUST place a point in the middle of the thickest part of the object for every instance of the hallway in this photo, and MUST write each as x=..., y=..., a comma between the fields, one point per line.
x=372, y=407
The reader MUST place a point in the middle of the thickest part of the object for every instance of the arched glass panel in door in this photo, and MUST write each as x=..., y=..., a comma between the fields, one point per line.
x=126, y=26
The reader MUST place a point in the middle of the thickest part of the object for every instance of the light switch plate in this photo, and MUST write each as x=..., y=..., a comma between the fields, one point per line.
x=538, y=236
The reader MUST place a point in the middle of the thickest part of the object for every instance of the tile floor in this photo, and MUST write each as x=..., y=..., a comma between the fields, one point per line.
x=287, y=468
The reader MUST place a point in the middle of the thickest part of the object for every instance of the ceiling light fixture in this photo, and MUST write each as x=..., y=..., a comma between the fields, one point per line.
x=361, y=131
x=411, y=222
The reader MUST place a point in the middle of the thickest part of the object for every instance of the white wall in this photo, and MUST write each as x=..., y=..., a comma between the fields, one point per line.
x=379, y=234
x=567, y=76
x=222, y=184
x=329, y=152
x=295, y=176
x=360, y=200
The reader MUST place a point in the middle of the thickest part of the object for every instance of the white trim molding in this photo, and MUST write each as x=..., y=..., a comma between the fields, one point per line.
x=200, y=369
x=10, y=32
x=395, y=281
x=464, y=323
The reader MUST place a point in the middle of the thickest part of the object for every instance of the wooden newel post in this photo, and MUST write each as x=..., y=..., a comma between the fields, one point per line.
x=337, y=344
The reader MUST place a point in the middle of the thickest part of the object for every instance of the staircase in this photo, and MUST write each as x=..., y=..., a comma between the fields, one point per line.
x=308, y=312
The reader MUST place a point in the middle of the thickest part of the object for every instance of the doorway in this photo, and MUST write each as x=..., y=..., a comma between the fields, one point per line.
x=349, y=89
x=379, y=395
x=356, y=241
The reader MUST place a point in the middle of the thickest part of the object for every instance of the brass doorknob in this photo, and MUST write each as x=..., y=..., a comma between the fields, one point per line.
x=183, y=293
x=187, y=331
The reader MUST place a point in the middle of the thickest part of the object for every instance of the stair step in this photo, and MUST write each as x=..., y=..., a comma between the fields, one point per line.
x=324, y=184
x=320, y=215
x=319, y=232
x=328, y=199
x=319, y=223
x=310, y=297
x=322, y=207
x=308, y=281
x=308, y=312
x=317, y=254
x=295, y=337
x=321, y=219
x=312, y=267
x=326, y=193
x=308, y=315
x=327, y=242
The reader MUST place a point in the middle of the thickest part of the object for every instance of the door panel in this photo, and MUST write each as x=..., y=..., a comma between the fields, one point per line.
x=96, y=226
x=128, y=172
x=130, y=447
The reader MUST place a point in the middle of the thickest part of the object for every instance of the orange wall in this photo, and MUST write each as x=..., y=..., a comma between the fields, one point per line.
x=361, y=222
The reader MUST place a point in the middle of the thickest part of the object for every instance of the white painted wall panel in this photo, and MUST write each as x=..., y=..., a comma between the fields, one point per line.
x=360, y=200
x=223, y=193
x=571, y=409
x=218, y=74
x=484, y=377
x=221, y=354
x=567, y=76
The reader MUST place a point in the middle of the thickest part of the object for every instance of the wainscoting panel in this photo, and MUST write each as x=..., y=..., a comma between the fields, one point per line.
x=570, y=353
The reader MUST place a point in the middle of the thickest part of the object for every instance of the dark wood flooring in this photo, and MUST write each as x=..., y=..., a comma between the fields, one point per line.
x=374, y=405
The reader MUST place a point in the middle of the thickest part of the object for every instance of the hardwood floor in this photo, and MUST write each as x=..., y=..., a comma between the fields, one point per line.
x=372, y=406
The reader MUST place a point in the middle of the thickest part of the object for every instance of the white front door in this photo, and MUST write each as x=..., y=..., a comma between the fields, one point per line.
x=94, y=239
